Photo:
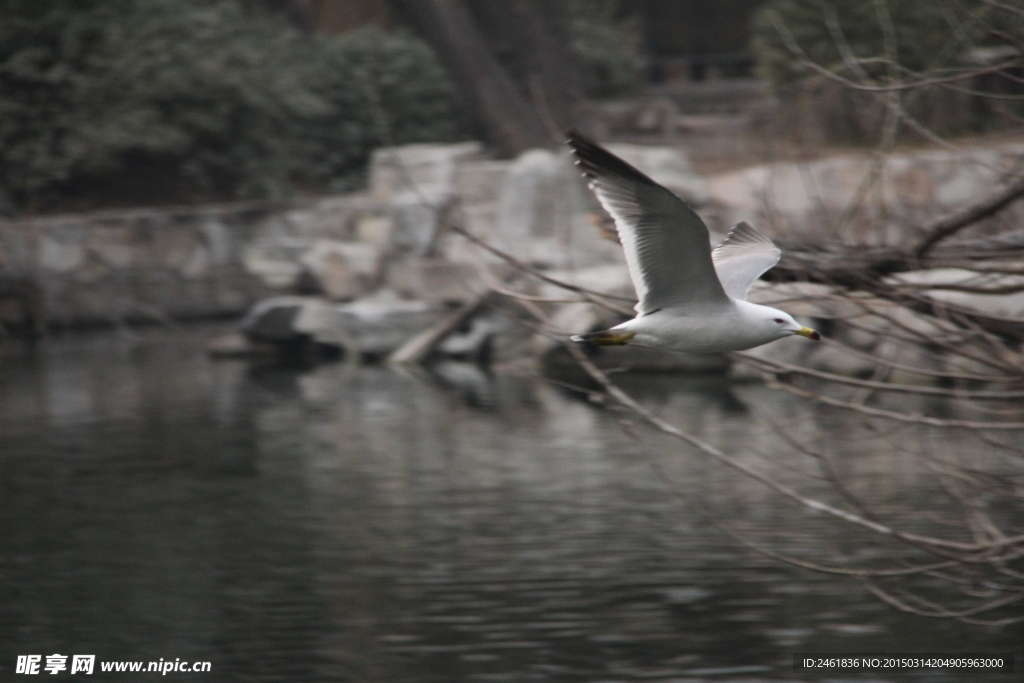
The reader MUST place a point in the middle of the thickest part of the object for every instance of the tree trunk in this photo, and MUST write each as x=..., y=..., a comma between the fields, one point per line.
x=506, y=115
x=533, y=42
x=513, y=62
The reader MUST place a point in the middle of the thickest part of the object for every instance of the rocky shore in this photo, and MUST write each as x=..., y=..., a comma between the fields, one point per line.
x=381, y=274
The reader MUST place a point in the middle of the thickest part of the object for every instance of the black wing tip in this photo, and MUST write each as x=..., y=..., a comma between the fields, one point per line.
x=578, y=141
x=584, y=151
x=595, y=161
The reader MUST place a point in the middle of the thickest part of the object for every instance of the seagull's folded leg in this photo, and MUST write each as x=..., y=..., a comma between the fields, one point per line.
x=605, y=337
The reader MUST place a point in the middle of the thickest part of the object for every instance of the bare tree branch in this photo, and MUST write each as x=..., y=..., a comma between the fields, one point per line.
x=953, y=223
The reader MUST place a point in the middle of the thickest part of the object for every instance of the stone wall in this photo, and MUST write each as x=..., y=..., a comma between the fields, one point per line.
x=203, y=261
x=117, y=266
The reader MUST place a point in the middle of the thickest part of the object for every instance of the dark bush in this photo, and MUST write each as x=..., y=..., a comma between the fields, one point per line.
x=171, y=100
x=380, y=89
x=608, y=48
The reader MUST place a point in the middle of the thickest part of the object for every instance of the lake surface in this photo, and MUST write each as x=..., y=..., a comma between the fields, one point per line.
x=344, y=523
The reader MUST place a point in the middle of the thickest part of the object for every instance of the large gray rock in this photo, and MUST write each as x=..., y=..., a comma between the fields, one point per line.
x=332, y=217
x=344, y=270
x=273, y=320
x=543, y=214
x=277, y=263
x=376, y=326
x=371, y=326
x=419, y=183
x=375, y=229
x=428, y=170
x=419, y=221
x=478, y=182
x=476, y=339
x=435, y=279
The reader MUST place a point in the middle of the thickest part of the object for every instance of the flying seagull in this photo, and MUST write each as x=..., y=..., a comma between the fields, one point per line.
x=691, y=298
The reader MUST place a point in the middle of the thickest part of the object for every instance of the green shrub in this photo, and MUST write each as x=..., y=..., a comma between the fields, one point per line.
x=381, y=89
x=199, y=99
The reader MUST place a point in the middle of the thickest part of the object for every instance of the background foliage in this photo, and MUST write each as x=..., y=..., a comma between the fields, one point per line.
x=909, y=41
x=166, y=100
x=608, y=46
x=924, y=36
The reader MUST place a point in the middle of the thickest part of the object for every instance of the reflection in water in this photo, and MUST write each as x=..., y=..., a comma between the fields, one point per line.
x=353, y=523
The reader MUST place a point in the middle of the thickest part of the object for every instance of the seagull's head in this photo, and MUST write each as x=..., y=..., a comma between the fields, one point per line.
x=784, y=325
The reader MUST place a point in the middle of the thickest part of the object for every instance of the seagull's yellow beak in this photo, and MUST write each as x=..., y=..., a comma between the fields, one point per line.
x=809, y=333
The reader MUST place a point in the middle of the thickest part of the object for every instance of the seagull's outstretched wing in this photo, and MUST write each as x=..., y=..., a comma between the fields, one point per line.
x=667, y=247
x=743, y=257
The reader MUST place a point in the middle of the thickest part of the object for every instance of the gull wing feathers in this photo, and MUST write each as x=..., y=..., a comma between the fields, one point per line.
x=743, y=257
x=667, y=247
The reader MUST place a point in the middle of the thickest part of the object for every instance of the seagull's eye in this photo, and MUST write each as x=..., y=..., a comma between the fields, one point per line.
x=780, y=321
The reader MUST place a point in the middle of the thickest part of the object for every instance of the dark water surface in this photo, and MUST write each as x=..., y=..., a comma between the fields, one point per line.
x=357, y=524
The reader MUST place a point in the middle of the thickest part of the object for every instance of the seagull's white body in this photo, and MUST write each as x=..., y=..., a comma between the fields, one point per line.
x=741, y=325
x=690, y=298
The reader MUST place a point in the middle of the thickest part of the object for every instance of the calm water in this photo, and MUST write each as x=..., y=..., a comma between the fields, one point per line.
x=357, y=524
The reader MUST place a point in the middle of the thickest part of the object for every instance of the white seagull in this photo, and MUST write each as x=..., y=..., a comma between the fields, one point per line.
x=691, y=298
